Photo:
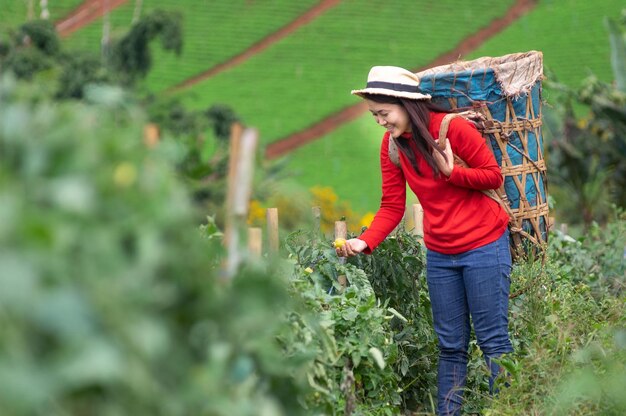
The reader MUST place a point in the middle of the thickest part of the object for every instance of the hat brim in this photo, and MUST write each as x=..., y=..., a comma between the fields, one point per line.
x=392, y=93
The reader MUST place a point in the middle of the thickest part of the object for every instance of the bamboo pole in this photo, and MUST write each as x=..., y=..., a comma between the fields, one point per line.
x=255, y=242
x=244, y=171
x=233, y=155
x=341, y=231
x=272, y=229
x=236, y=131
x=418, y=219
x=45, y=13
x=241, y=167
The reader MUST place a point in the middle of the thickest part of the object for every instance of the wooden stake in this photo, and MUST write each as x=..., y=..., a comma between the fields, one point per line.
x=255, y=242
x=564, y=228
x=418, y=219
x=317, y=220
x=409, y=221
x=150, y=135
x=400, y=226
x=341, y=229
x=272, y=229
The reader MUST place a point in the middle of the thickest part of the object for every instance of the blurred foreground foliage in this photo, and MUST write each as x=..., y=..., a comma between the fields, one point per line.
x=111, y=302
x=33, y=52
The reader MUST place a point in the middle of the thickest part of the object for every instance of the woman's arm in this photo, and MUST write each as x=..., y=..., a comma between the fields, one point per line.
x=392, y=204
x=469, y=145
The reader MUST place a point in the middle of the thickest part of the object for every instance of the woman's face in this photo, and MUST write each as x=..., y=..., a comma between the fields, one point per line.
x=393, y=117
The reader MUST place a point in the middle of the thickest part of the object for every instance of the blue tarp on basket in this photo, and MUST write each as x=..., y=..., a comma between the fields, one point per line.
x=507, y=90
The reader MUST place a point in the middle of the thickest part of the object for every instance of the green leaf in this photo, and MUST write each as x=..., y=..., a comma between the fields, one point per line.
x=404, y=365
x=377, y=355
x=350, y=315
x=397, y=314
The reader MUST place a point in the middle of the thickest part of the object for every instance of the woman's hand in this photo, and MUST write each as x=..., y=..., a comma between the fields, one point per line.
x=350, y=247
x=444, y=166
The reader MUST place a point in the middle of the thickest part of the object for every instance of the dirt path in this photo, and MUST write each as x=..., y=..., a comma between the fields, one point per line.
x=332, y=122
x=85, y=13
x=261, y=45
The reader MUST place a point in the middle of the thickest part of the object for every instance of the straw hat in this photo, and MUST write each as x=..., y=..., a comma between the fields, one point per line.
x=393, y=81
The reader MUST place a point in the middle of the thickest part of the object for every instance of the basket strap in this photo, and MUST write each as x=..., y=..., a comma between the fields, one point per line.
x=443, y=133
x=472, y=116
x=393, y=151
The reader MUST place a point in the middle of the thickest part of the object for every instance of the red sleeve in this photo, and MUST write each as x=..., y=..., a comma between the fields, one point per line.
x=468, y=144
x=392, y=204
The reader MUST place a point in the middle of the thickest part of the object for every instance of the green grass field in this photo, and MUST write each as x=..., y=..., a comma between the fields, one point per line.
x=570, y=33
x=574, y=42
x=214, y=31
x=346, y=160
x=309, y=75
x=15, y=12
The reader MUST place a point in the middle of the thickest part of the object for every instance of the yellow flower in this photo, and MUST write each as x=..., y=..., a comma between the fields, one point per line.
x=256, y=213
x=324, y=195
x=308, y=270
x=125, y=174
x=366, y=220
x=332, y=210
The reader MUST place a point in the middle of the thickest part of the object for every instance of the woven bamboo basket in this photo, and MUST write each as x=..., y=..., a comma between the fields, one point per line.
x=506, y=91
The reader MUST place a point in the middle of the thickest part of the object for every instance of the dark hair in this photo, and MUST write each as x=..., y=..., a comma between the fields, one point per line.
x=419, y=117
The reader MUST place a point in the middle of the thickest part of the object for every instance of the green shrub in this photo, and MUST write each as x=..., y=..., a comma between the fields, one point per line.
x=397, y=272
x=595, y=259
x=567, y=332
x=347, y=329
x=113, y=303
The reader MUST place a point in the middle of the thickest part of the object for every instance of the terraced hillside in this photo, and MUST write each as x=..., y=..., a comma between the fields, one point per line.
x=570, y=33
x=574, y=42
x=214, y=31
x=307, y=76
x=14, y=12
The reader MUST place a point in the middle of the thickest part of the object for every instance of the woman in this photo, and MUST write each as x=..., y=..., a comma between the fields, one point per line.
x=468, y=261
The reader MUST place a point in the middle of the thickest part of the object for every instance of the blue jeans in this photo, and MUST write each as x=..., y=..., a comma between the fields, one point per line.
x=475, y=283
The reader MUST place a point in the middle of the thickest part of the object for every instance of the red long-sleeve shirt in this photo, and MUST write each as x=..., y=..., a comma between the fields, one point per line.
x=457, y=216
